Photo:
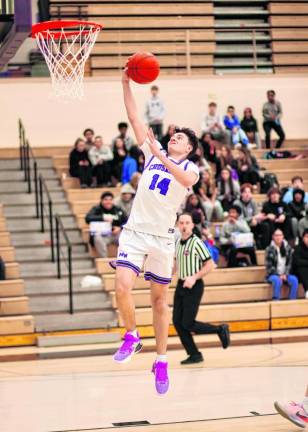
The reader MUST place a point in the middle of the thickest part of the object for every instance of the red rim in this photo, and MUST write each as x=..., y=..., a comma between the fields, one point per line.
x=44, y=26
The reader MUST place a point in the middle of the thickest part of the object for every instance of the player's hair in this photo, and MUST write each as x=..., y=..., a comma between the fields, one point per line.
x=214, y=104
x=246, y=186
x=88, y=130
x=122, y=125
x=297, y=178
x=192, y=138
x=106, y=195
x=236, y=208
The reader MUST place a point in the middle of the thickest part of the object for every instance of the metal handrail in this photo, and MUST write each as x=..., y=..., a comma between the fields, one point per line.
x=60, y=227
x=44, y=188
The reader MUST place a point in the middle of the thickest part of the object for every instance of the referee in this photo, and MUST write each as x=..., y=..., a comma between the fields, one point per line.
x=193, y=262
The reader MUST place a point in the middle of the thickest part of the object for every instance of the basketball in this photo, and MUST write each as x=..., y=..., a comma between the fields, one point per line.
x=143, y=67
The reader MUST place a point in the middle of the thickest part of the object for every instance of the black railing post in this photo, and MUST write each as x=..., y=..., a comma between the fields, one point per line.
x=28, y=168
x=58, y=248
x=37, y=208
x=51, y=231
x=21, y=158
x=41, y=204
x=70, y=278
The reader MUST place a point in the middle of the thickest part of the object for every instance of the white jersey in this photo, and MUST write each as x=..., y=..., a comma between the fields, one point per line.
x=158, y=197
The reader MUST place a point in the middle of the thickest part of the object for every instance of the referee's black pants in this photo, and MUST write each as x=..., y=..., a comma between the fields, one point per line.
x=185, y=309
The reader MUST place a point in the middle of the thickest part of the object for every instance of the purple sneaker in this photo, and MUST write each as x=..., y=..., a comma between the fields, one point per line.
x=129, y=347
x=160, y=370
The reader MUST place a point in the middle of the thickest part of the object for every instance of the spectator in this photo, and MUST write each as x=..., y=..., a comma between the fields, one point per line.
x=278, y=263
x=207, y=191
x=79, y=164
x=119, y=155
x=135, y=180
x=194, y=207
x=209, y=149
x=101, y=156
x=275, y=214
x=296, y=210
x=224, y=159
x=232, y=124
x=126, y=199
x=199, y=159
x=247, y=168
x=209, y=242
x=228, y=189
x=303, y=224
x=300, y=261
x=252, y=216
x=297, y=183
x=235, y=225
x=128, y=141
x=250, y=127
x=106, y=211
x=155, y=113
x=166, y=138
x=272, y=113
x=129, y=167
x=89, y=138
x=2, y=269
x=212, y=123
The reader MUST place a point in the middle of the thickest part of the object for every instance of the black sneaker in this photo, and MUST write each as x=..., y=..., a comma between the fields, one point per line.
x=224, y=335
x=195, y=358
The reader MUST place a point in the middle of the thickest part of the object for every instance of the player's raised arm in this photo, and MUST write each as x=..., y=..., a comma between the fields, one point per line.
x=139, y=127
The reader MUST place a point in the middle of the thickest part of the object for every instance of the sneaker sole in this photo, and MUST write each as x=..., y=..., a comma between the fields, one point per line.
x=128, y=359
x=286, y=416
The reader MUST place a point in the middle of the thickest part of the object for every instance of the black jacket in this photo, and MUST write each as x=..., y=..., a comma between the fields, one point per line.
x=300, y=257
x=271, y=259
x=97, y=212
x=249, y=125
x=75, y=158
x=276, y=208
x=297, y=209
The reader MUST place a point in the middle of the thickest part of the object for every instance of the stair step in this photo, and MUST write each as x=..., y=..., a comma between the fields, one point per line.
x=240, y=62
x=20, y=199
x=78, y=339
x=33, y=224
x=49, y=268
x=17, y=175
x=219, y=23
x=41, y=253
x=41, y=239
x=28, y=210
x=242, y=50
x=76, y=321
x=240, y=37
x=237, y=70
x=14, y=164
x=249, y=11
x=60, y=302
x=37, y=286
x=22, y=187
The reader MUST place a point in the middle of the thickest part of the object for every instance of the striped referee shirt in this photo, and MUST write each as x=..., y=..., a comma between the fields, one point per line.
x=190, y=255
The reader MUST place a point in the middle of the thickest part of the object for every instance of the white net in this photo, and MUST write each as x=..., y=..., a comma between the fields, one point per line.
x=66, y=55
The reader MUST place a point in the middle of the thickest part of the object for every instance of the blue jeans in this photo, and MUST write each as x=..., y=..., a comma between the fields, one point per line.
x=276, y=282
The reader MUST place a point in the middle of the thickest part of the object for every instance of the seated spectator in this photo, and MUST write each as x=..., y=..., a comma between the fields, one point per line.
x=297, y=183
x=250, y=127
x=128, y=141
x=2, y=269
x=225, y=159
x=129, y=168
x=106, y=211
x=209, y=148
x=89, y=138
x=235, y=225
x=278, y=263
x=166, y=138
x=252, y=216
x=212, y=123
x=135, y=180
x=199, y=159
x=79, y=164
x=228, y=189
x=126, y=199
x=297, y=210
x=232, y=124
x=209, y=242
x=247, y=167
x=300, y=261
x=207, y=191
x=194, y=206
x=101, y=156
x=275, y=214
x=303, y=224
x=119, y=154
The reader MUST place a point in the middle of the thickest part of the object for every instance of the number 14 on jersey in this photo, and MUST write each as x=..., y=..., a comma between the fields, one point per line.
x=160, y=183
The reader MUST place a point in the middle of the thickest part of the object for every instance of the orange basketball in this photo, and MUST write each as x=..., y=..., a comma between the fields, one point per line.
x=143, y=67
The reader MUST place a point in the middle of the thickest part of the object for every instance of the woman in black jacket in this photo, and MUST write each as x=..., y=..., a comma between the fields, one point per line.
x=297, y=209
x=119, y=154
x=300, y=261
x=250, y=126
x=80, y=165
x=247, y=167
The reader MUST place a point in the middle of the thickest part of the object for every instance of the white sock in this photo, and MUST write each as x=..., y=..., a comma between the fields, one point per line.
x=305, y=404
x=161, y=358
x=133, y=333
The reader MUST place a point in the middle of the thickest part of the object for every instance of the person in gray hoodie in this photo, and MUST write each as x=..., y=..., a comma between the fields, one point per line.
x=155, y=113
x=235, y=224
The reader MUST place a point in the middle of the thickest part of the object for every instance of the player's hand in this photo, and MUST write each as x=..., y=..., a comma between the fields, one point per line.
x=152, y=143
x=189, y=282
x=125, y=77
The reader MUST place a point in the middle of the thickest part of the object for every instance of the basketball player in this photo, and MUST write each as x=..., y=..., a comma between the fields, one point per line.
x=148, y=236
x=297, y=413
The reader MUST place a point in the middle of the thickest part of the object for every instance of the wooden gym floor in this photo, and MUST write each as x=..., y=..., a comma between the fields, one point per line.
x=232, y=391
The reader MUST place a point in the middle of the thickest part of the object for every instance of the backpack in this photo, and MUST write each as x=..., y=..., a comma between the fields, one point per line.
x=268, y=181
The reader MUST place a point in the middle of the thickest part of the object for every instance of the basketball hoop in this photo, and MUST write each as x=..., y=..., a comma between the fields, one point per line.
x=66, y=46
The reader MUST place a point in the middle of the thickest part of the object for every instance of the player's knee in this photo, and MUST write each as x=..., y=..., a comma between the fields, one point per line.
x=160, y=303
x=121, y=287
